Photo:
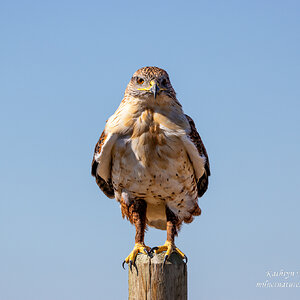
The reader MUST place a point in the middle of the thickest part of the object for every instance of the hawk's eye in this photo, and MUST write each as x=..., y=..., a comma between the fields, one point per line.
x=140, y=80
x=164, y=81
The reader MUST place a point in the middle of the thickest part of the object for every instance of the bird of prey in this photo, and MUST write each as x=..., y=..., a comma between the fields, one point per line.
x=151, y=159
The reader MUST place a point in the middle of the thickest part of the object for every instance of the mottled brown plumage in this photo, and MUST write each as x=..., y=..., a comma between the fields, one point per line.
x=151, y=158
x=106, y=187
x=202, y=183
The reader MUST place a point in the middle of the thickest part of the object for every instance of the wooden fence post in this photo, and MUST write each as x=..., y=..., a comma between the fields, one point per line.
x=153, y=281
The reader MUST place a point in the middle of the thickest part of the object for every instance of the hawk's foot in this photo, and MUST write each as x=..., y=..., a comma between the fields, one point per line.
x=169, y=247
x=138, y=248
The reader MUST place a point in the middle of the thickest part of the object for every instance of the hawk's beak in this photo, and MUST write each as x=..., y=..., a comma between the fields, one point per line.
x=154, y=88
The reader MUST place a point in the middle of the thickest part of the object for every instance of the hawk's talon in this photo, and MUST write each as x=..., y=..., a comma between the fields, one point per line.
x=138, y=248
x=169, y=247
x=137, y=272
x=165, y=259
x=153, y=249
x=123, y=264
x=186, y=259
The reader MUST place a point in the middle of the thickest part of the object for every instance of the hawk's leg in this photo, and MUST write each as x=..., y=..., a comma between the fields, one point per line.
x=169, y=245
x=137, y=210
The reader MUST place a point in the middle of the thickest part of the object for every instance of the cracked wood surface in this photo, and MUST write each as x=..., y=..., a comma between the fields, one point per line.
x=153, y=281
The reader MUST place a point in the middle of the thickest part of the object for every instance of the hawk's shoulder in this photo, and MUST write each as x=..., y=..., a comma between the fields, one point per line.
x=196, y=139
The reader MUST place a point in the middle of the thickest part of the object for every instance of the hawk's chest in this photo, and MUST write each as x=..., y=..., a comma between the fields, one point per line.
x=151, y=162
x=149, y=142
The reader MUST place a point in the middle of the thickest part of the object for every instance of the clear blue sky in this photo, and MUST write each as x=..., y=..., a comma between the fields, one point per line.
x=64, y=66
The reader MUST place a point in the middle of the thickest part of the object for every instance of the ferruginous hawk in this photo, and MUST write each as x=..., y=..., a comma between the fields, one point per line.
x=151, y=159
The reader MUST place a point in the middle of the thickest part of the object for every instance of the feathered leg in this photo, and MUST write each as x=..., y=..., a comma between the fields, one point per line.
x=137, y=210
x=169, y=245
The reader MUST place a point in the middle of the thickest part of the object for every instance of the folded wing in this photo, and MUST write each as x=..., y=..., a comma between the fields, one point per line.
x=194, y=136
x=101, y=164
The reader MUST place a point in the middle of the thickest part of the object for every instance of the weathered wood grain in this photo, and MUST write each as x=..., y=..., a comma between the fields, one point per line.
x=153, y=281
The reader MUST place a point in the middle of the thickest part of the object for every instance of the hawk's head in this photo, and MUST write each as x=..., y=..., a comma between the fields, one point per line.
x=150, y=83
